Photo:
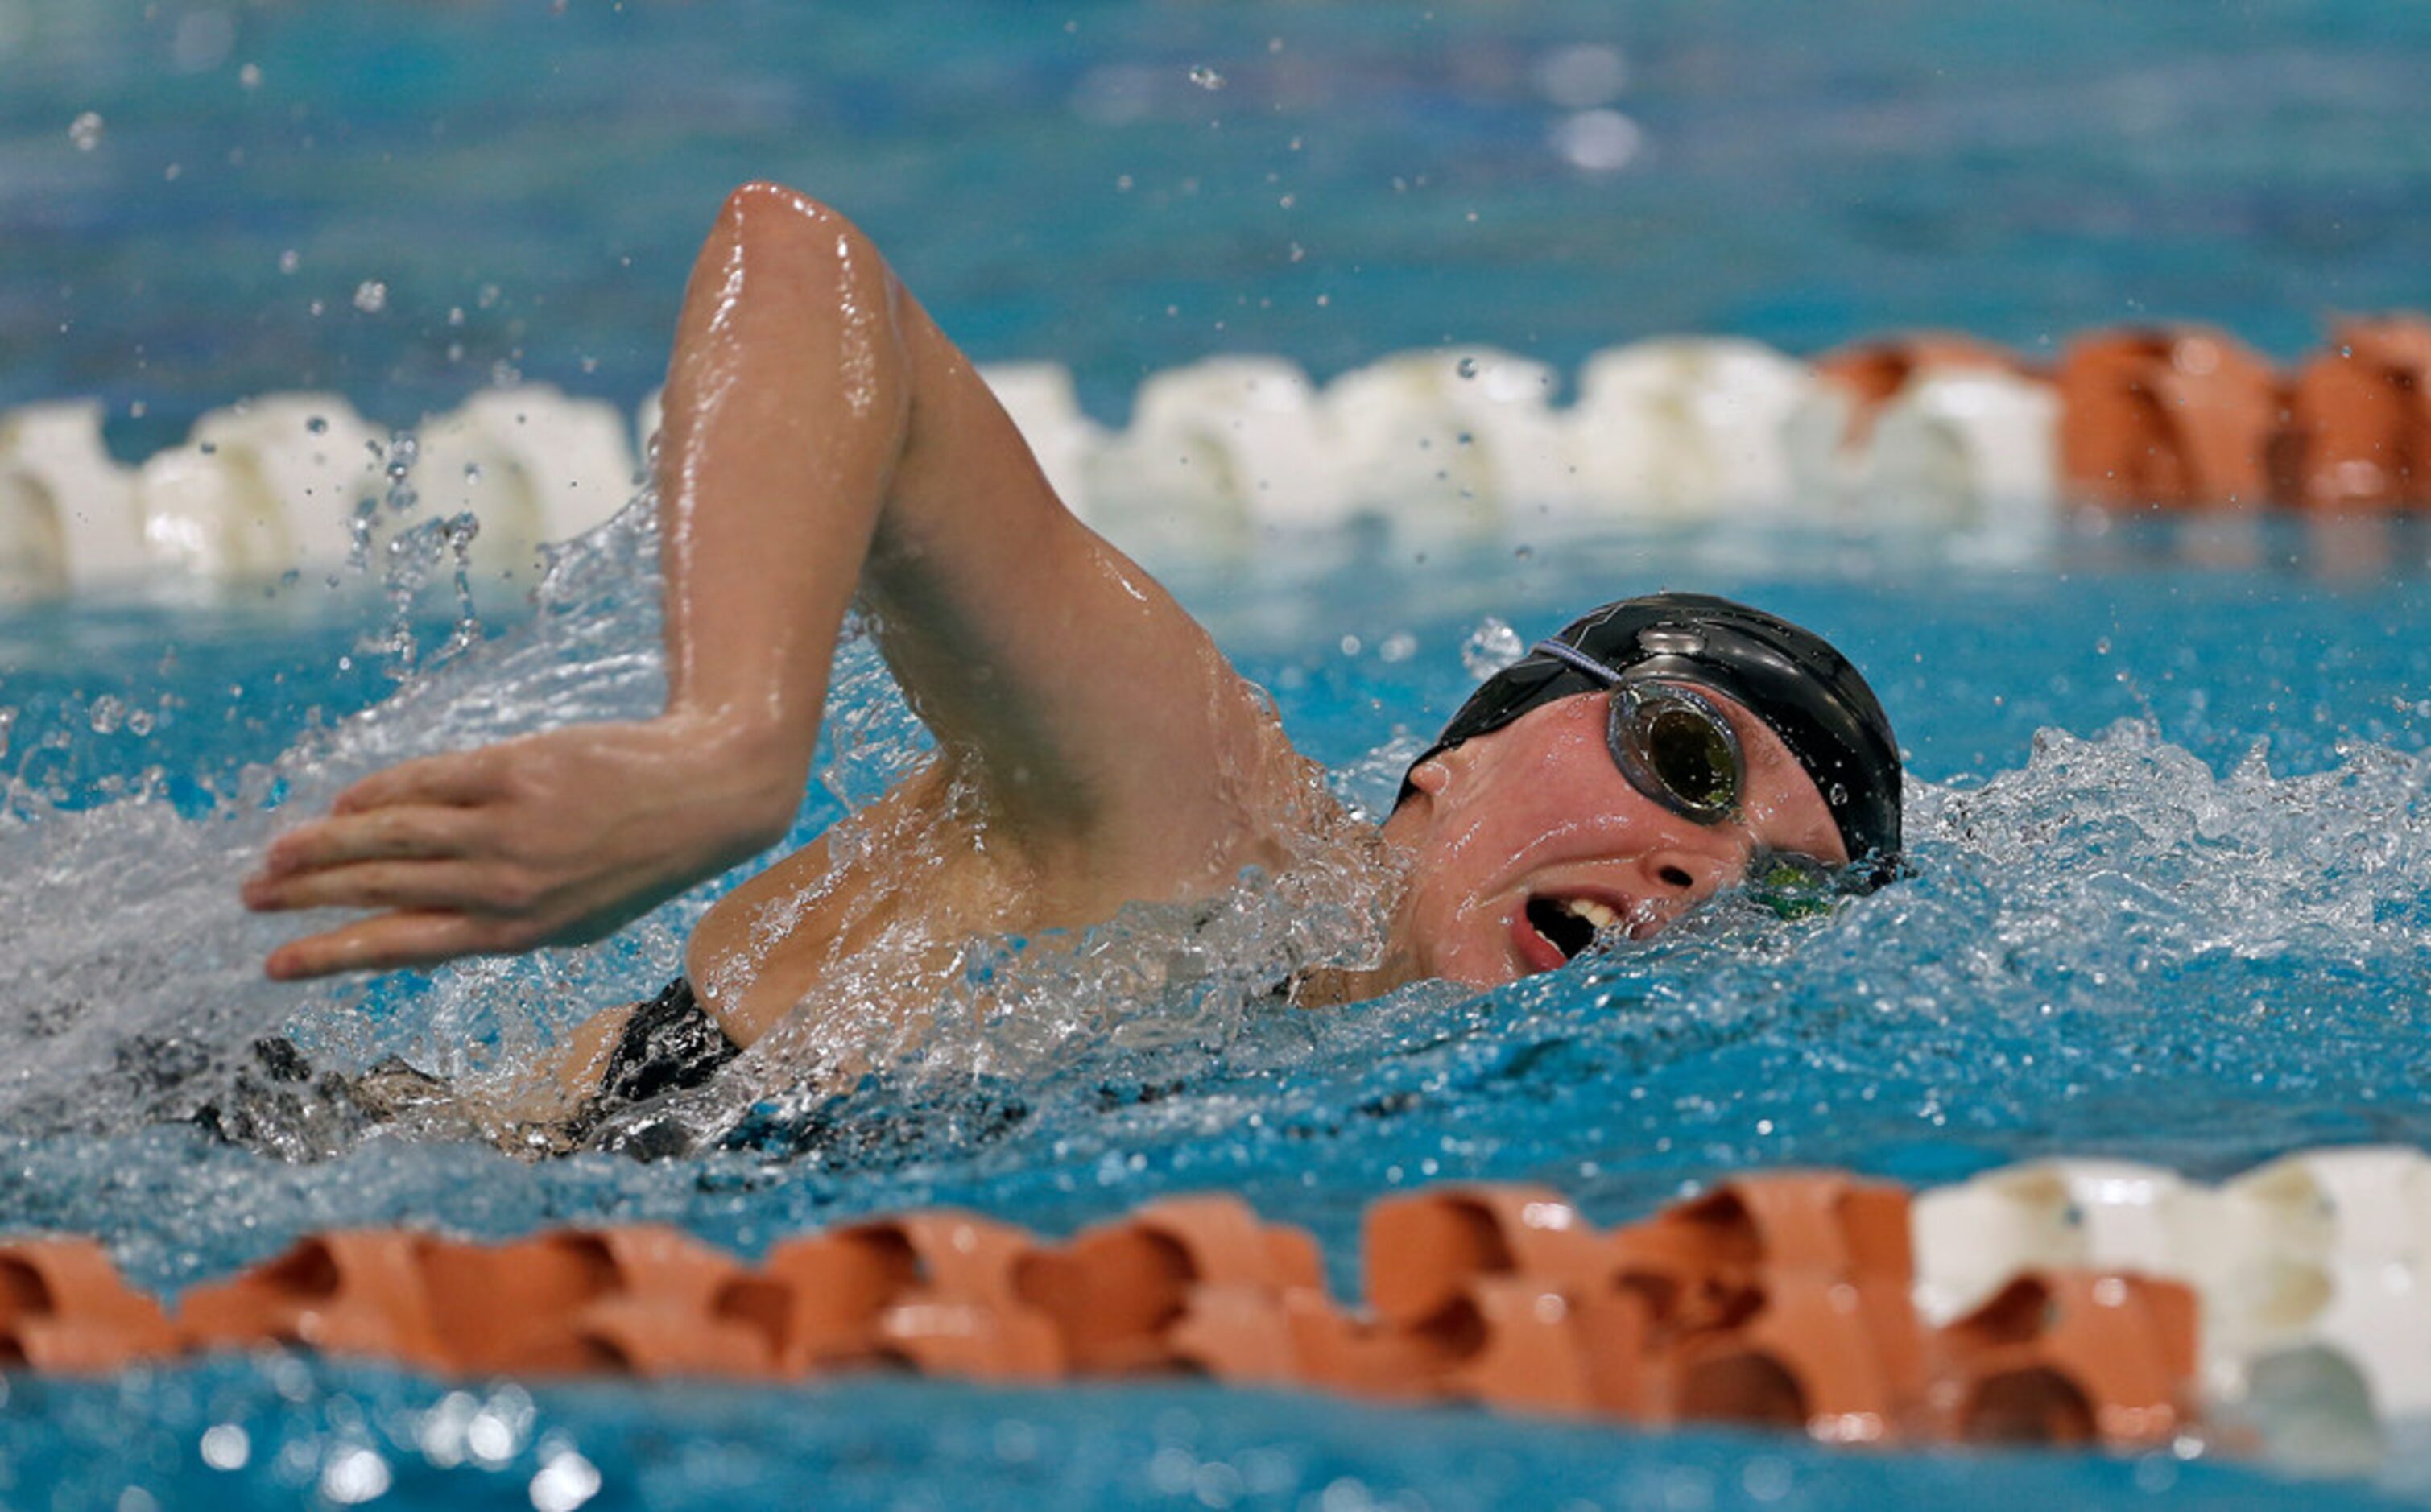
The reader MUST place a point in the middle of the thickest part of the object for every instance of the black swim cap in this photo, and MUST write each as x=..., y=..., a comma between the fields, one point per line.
x=1806, y=692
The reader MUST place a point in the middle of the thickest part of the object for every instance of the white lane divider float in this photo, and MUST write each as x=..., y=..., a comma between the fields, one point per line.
x=1220, y=460
x=2314, y=1275
x=1439, y=444
x=1213, y=450
x=68, y=520
x=1687, y=427
x=531, y=464
x=1969, y=449
x=2322, y=1295
x=263, y=487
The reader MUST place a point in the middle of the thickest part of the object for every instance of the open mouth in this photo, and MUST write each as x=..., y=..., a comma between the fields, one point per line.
x=1571, y=924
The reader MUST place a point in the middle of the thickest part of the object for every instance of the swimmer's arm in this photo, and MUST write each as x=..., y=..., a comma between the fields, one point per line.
x=784, y=410
x=826, y=439
x=1103, y=729
x=822, y=437
x=1112, y=752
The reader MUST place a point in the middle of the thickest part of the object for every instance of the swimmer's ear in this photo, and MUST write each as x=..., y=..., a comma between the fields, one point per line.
x=1431, y=776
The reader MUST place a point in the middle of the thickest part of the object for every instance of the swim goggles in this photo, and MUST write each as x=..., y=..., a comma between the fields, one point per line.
x=1805, y=692
x=1676, y=745
x=1672, y=742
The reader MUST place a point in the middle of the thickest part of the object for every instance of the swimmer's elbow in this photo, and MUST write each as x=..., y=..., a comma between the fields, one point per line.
x=769, y=221
x=763, y=209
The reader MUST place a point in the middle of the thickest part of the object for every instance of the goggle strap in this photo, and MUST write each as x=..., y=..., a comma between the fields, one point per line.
x=1560, y=652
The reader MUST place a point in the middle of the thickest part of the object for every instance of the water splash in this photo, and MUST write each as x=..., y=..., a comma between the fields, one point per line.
x=2113, y=904
x=134, y=982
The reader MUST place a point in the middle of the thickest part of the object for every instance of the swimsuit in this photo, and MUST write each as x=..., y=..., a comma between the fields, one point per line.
x=669, y=1045
x=277, y=1105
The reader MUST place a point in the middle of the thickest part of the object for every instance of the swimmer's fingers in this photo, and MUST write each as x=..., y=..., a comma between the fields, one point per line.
x=390, y=941
x=480, y=887
x=415, y=832
x=456, y=777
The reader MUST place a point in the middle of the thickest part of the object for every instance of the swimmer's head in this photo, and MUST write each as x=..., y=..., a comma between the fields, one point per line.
x=1722, y=744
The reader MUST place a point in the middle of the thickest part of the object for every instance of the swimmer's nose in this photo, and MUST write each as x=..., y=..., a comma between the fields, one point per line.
x=1680, y=877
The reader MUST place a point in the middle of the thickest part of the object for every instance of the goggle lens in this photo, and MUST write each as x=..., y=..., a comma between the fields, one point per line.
x=1790, y=884
x=1678, y=750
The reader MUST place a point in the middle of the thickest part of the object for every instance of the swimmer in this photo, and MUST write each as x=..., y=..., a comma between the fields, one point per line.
x=825, y=445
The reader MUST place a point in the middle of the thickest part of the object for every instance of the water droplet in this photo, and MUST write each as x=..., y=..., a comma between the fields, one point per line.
x=289, y=260
x=1599, y=141
x=106, y=713
x=355, y=1475
x=226, y=1446
x=249, y=75
x=564, y=1482
x=371, y=297
x=1490, y=648
x=1206, y=78
x=85, y=132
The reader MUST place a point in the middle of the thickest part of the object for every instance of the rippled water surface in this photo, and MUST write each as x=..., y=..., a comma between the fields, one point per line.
x=2171, y=839
x=2169, y=820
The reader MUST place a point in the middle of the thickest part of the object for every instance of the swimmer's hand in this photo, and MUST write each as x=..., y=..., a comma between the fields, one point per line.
x=548, y=839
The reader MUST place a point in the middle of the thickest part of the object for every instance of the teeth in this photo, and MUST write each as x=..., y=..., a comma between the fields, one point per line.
x=1593, y=912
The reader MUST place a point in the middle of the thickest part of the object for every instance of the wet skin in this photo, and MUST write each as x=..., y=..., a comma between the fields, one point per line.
x=825, y=445
x=1538, y=809
x=1534, y=811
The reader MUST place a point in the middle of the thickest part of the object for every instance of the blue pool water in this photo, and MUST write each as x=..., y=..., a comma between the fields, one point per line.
x=2171, y=820
x=2171, y=826
x=1802, y=174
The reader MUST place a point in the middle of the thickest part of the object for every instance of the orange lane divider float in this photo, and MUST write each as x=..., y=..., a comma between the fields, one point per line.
x=1781, y=1298
x=2187, y=417
x=2358, y=430
x=2177, y=417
